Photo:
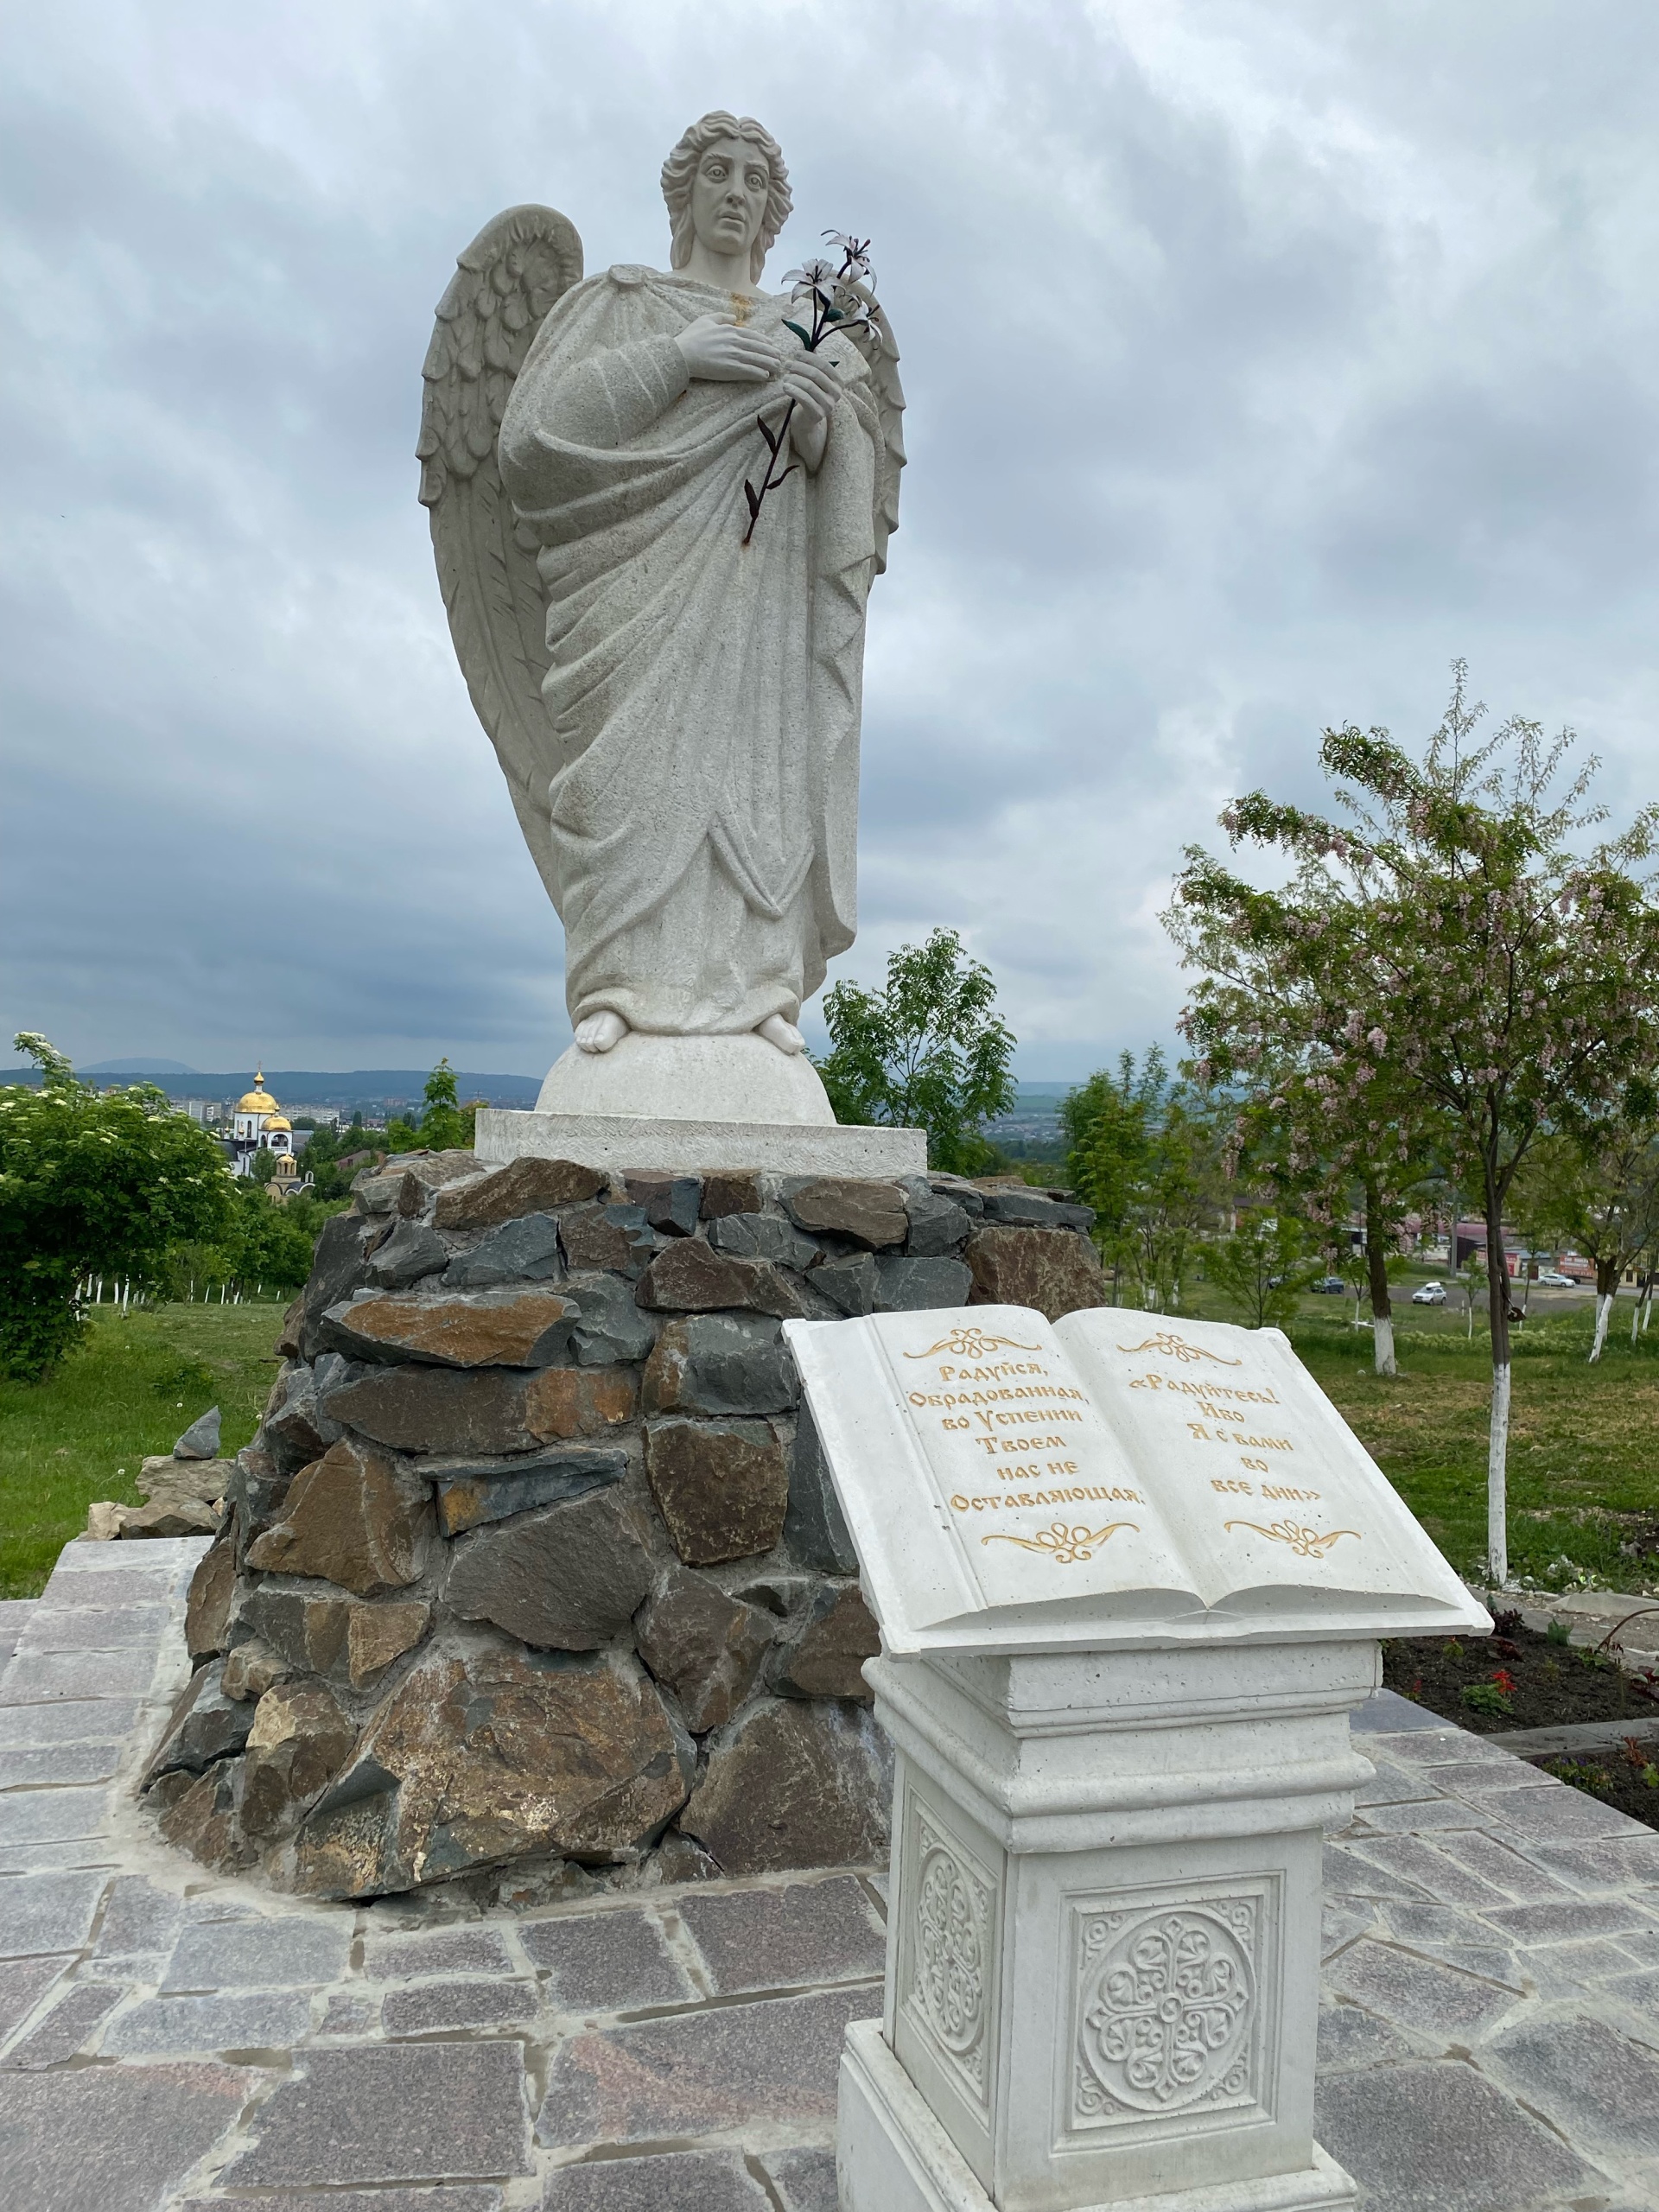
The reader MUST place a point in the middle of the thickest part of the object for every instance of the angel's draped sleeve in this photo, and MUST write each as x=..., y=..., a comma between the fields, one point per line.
x=602, y=401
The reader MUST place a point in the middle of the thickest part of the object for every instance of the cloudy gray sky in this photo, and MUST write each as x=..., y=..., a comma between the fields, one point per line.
x=1260, y=358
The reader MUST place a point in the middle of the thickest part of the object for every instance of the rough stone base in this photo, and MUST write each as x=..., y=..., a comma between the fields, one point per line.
x=619, y=1143
x=892, y=2155
x=533, y=1580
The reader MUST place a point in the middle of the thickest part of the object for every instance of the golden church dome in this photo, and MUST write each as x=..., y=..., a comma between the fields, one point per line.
x=278, y=1121
x=258, y=1100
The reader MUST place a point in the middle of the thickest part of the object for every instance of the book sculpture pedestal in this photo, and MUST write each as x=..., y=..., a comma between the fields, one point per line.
x=1117, y=1671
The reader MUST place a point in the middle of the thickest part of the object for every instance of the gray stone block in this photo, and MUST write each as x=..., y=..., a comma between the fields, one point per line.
x=293, y=1951
x=1351, y=2037
x=200, y=1439
x=139, y=1919
x=917, y=1286
x=1031, y=1210
x=295, y=1430
x=526, y=1251
x=677, y=2181
x=704, y=1645
x=122, y=1626
x=113, y=2138
x=1477, y=1852
x=410, y=1252
x=566, y=1578
x=616, y=1237
x=1439, y=2138
x=42, y=1678
x=442, y=1950
x=467, y=2198
x=849, y=1284
x=339, y=1267
x=805, y=2179
x=407, y=2112
x=763, y=1236
x=808, y=1933
x=205, y=1726
x=471, y=1493
x=46, y=1912
x=1557, y=1815
x=73, y=1720
x=938, y=1226
x=735, y=2068
x=439, y=2006
x=614, y=1961
x=1569, y=1920
x=1420, y=1816
x=1347, y=1875
x=52, y=1815
x=1427, y=1871
x=1414, y=1992
x=68, y=2027
x=815, y=1529
x=612, y=1330
x=23, y=1982
x=250, y=2020
x=672, y=1202
x=722, y=1363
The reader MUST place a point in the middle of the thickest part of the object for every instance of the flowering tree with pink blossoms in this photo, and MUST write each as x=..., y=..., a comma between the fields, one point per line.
x=1450, y=967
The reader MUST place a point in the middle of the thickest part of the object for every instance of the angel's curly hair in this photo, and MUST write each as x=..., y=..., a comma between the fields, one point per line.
x=681, y=167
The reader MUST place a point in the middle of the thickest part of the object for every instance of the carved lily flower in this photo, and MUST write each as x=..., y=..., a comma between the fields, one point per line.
x=855, y=252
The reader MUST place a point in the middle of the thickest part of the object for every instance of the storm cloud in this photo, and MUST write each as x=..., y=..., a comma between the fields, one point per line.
x=1260, y=359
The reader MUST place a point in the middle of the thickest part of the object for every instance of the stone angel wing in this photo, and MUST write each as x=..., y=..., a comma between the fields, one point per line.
x=504, y=286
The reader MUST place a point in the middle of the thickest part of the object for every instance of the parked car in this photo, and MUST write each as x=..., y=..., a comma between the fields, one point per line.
x=1431, y=1294
x=1553, y=1279
x=1330, y=1286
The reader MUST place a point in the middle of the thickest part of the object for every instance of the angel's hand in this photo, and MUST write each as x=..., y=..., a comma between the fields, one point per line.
x=815, y=388
x=718, y=348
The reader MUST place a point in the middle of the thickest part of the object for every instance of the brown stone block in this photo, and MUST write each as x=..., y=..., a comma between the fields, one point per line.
x=202, y=1820
x=377, y=1635
x=691, y=1277
x=287, y=1345
x=350, y=1518
x=469, y=1493
x=525, y=1186
x=486, y=1328
x=436, y=1409
x=873, y=1213
x=565, y=1579
x=615, y=1236
x=251, y=1669
x=705, y=1646
x=731, y=1191
x=794, y=1785
x=207, y=1609
x=825, y=1654
x=722, y=1487
x=1055, y=1270
x=561, y=1403
x=299, y=1741
x=489, y=1755
x=308, y=1631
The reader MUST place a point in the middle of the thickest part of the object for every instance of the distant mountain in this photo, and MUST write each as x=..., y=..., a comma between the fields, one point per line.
x=136, y=1067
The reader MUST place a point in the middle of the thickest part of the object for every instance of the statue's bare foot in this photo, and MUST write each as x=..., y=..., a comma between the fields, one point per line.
x=597, y=1033
x=776, y=1031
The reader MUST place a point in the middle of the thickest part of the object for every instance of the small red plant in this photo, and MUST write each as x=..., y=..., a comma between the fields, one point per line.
x=1506, y=1682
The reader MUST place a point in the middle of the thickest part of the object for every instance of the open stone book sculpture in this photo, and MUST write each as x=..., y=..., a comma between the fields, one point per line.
x=671, y=679
x=1015, y=1485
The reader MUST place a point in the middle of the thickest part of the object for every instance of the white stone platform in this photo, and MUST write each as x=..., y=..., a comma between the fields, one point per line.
x=172, y=2040
x=621, y=1142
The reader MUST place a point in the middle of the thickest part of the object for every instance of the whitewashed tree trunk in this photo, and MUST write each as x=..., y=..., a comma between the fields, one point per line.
x=1604, y=1309
x=1382, y=1328
x=1497, y=1540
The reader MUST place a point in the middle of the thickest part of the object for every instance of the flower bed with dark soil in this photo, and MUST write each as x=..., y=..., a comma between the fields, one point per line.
x=1518, y=1678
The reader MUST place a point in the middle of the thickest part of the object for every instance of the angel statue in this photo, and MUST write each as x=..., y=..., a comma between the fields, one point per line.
x=671, y=678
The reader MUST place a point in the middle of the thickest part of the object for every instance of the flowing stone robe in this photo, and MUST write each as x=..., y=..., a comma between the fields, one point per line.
x=705, y=694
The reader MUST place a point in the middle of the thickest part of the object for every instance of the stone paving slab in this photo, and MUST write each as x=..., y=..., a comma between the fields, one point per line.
x=171, y=2041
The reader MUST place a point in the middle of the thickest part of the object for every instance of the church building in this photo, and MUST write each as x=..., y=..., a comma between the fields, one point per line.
x=259, y=1125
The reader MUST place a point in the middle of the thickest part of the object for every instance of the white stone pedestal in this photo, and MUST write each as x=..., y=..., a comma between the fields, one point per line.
x=1104, y=1941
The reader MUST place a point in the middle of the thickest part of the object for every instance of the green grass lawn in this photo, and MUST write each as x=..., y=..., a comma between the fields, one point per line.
x=129, y=1390
x=1584, y=1455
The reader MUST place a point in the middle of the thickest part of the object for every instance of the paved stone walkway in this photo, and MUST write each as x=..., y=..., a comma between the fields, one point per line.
x=170, y=2040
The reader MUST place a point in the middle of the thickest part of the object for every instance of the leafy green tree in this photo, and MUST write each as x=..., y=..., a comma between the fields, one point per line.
x=1598, y=1190
x=1262, y=1268
x=1449, y=944
x=90, y=1184
x=926, y=1051
x=445, y=1124
x=1146, y=1153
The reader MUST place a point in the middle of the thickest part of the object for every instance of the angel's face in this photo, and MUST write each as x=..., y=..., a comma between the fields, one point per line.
x=728, y=197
